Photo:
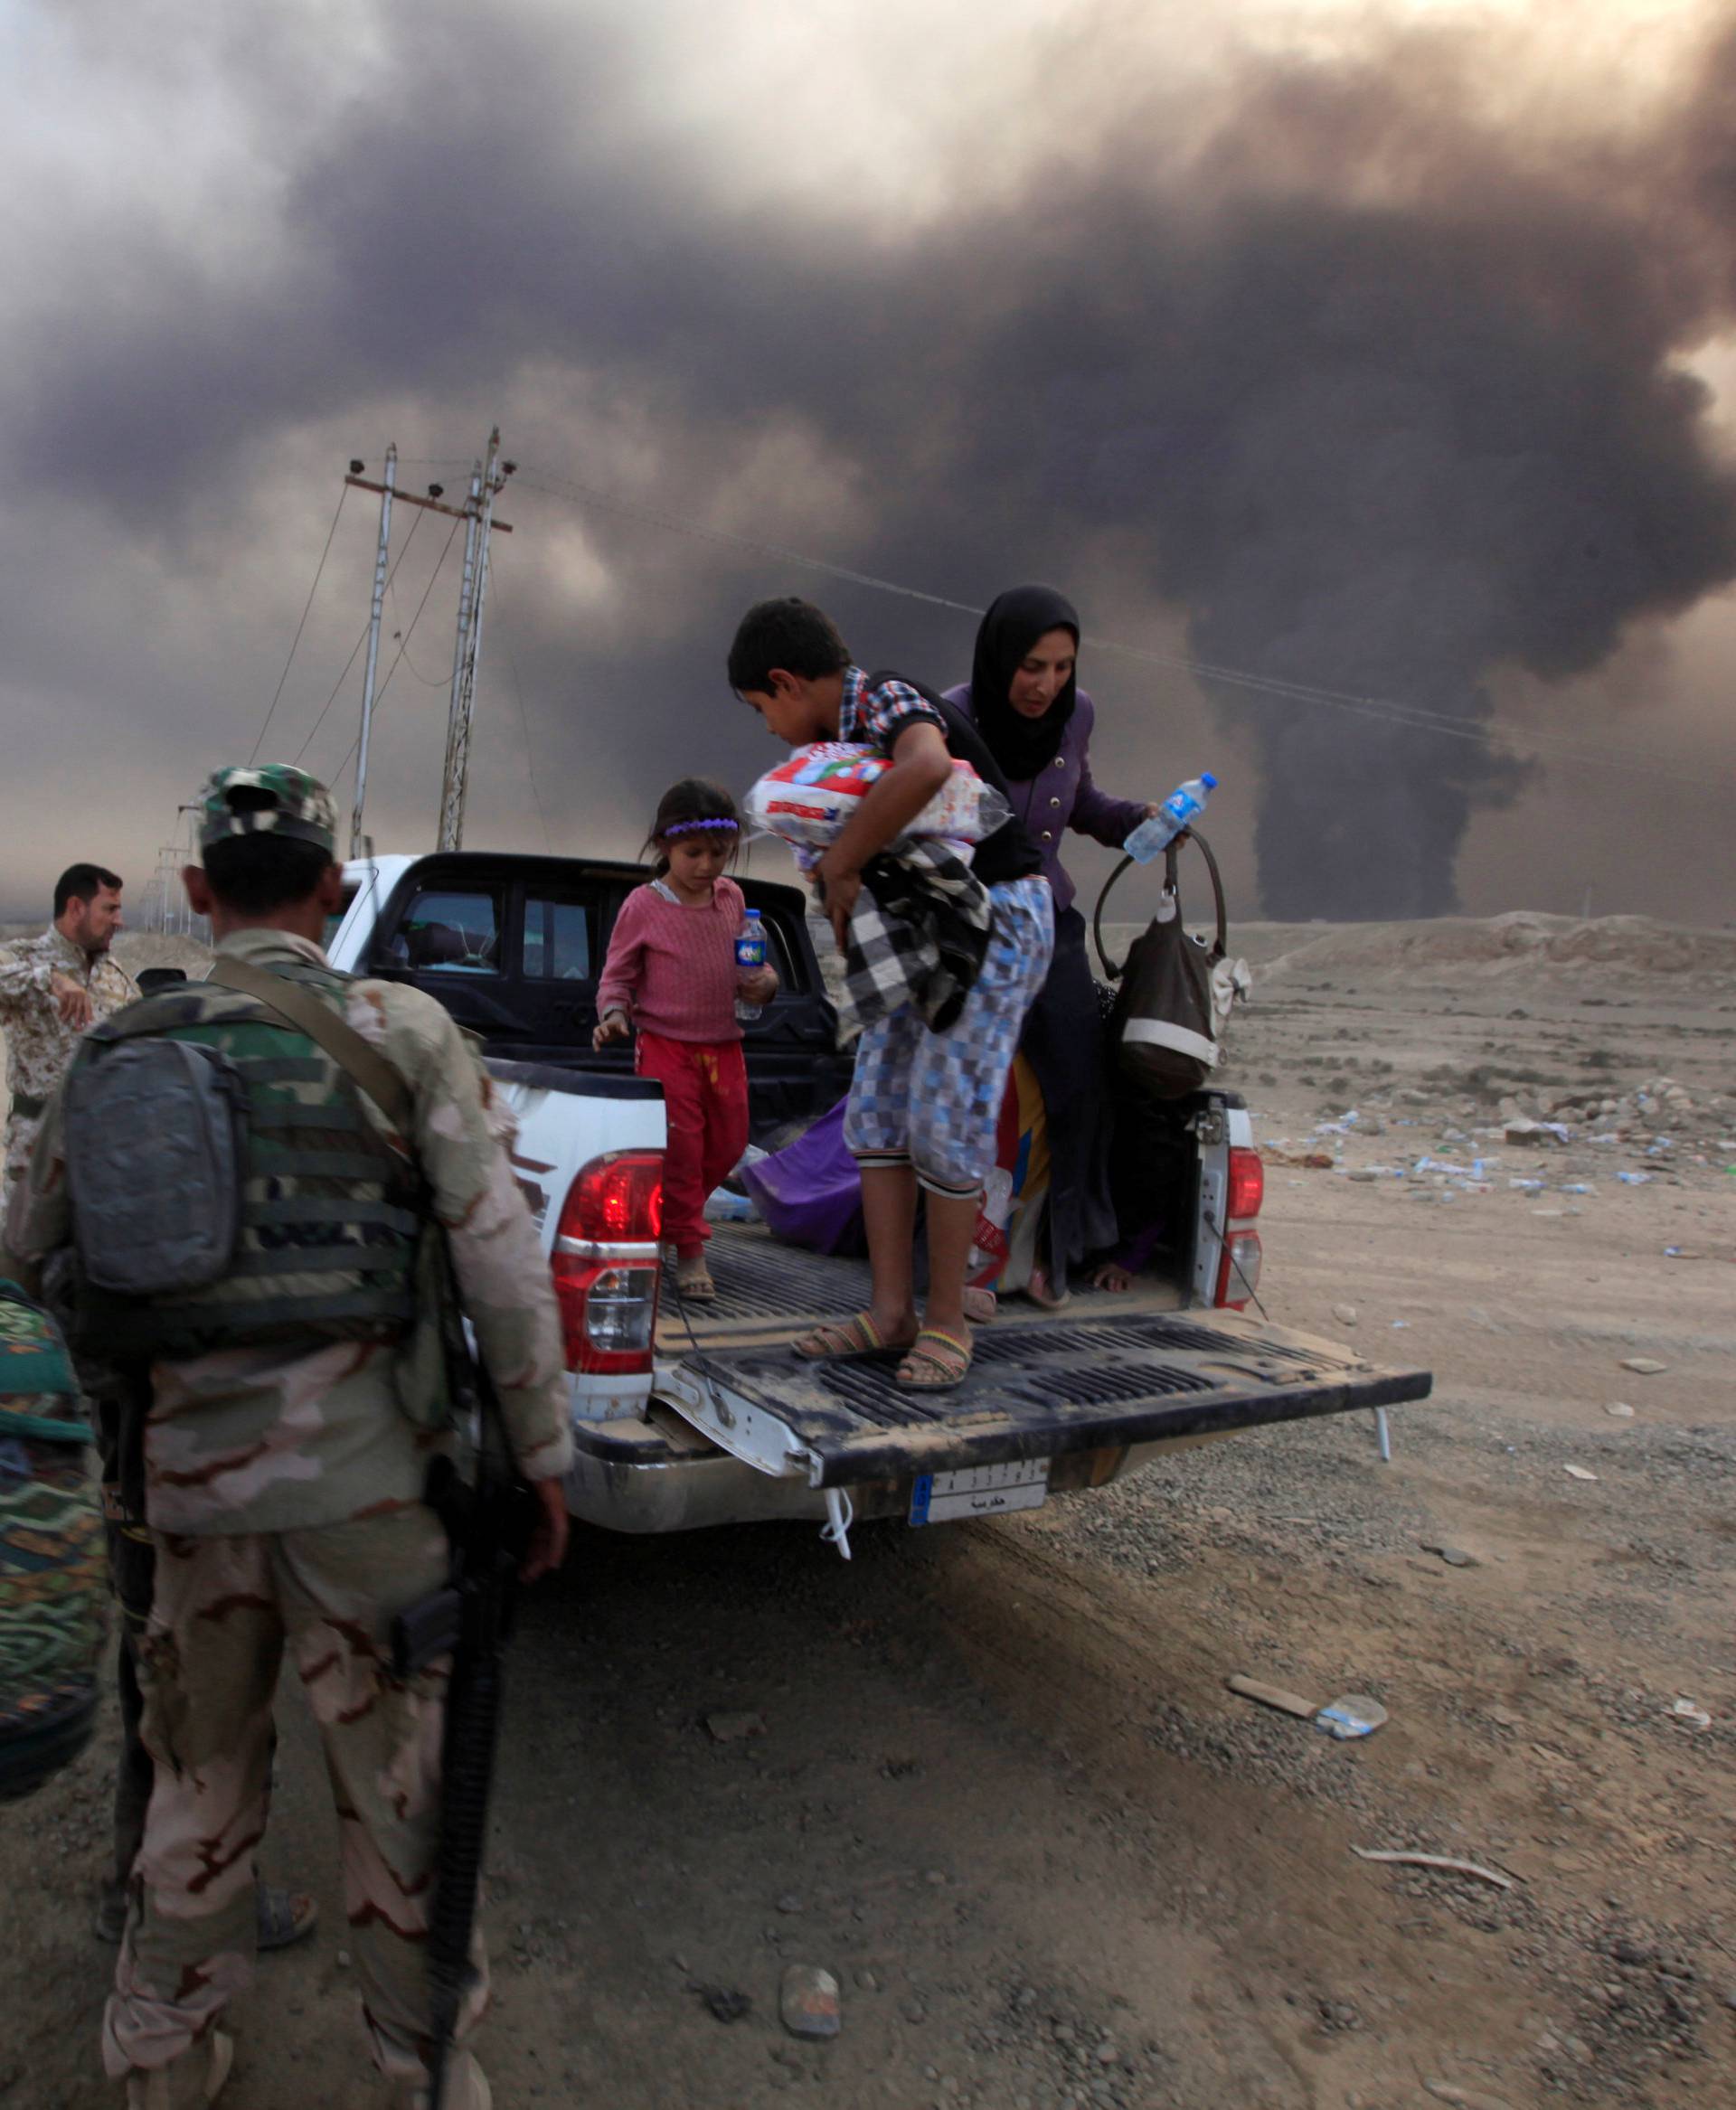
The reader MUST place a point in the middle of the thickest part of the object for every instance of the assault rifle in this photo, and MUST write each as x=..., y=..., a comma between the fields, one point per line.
x=489, y=1520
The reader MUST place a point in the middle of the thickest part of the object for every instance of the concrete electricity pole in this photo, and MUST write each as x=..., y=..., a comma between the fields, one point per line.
x=477, y=514
x=486, y=484
x=375, y=610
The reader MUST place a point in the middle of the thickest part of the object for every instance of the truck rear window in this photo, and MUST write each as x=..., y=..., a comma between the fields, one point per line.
x=447, y=932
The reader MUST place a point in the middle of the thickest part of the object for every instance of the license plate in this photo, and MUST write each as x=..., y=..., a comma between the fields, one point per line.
x=979, y=1490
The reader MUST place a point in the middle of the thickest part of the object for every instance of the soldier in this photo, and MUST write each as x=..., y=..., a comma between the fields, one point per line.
x=283, y=1463
x=50, y=988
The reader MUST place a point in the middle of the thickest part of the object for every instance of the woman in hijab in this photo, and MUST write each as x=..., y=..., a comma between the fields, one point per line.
x=1025, y=700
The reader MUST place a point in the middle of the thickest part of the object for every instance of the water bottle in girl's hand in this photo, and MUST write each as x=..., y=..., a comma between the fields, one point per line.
x=1157, y=831
x=749, y=957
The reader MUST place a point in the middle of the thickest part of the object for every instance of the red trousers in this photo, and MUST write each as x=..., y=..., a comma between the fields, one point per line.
x=705, y=1093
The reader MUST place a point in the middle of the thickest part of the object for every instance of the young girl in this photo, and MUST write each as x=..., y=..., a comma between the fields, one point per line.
x=671, y=972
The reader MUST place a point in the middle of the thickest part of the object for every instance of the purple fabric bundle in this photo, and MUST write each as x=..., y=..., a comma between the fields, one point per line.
x=810, y=1194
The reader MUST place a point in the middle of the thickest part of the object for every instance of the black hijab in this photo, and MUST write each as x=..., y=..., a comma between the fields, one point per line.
x=1021, y=745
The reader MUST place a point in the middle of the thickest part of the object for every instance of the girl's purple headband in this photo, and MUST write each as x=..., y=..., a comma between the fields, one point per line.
x=687, y=827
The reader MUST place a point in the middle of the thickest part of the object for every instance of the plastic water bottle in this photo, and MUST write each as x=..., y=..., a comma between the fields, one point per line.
x=749, y=957
x=1157, y=831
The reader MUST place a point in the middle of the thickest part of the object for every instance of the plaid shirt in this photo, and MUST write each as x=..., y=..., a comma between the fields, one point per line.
x=875, y=717
x=918, y=933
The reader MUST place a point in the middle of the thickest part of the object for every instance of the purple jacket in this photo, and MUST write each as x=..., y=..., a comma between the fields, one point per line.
x=1065, y=798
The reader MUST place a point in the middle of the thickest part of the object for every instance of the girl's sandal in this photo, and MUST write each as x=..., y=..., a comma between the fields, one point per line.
x=936, y=1368
x=980, y=1306
x=693, y=1280
x=843, y=1339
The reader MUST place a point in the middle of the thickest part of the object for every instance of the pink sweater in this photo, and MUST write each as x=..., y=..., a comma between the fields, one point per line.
x=672, y=969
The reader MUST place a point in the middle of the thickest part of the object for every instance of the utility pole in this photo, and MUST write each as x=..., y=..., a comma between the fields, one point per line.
x=461, y=662
x=455, y=778
x=478, y=512
x=374, y=613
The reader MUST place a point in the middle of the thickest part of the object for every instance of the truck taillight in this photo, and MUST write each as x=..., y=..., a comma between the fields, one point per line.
x=1247, y=1186
x=1238, y=1270
x=617, y=1200
x=605, y=1262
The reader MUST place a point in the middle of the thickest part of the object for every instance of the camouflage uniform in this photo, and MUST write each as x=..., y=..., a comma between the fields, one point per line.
x=40, y=1043
x=283, y=1490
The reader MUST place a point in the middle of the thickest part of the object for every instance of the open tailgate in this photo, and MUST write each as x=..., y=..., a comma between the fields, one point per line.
x=1037, y=1389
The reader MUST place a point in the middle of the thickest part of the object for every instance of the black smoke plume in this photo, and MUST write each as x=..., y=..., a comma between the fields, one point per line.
x=1386, y=399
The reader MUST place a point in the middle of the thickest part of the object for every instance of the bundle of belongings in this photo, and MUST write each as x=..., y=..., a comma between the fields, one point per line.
x=54, y=1573
x=921, y=927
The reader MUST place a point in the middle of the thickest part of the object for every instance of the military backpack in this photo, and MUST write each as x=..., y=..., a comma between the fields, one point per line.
x=228, y=1186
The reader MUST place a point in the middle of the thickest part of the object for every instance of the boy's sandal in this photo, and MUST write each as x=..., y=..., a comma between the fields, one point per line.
x=937, y=1367
x=842, y=1338
x=693, y=1280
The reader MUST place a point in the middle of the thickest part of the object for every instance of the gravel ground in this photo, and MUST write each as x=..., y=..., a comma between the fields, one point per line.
x=1002, y=1794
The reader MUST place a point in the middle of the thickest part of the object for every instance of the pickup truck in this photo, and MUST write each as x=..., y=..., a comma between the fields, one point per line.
x=690, y=1415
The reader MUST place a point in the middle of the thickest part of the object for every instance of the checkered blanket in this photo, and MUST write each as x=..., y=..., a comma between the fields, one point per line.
x=918, y=934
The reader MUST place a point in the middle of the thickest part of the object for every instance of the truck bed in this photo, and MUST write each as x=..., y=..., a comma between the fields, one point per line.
x=1110, y=1372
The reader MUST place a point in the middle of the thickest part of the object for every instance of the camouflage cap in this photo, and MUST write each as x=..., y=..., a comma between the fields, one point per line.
x=274, y=799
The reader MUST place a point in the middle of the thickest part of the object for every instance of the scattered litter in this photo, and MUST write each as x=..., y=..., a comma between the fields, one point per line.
x=1620, y=1409
x=732, y=1728
x=1579, y=1187
x=1346, y=1314
x=1645, y=1366
x=1272, y=1696
x=725, y=2003
x=1454, y=1556
x=809, y=2002
x=1578, y=1472
x=1695, y=1718
x=1351, y=1714
x=1633, y=1179
x=1400, y=1324
x=1440, y=1860
x=1527, y=1186
x=1682, y=1253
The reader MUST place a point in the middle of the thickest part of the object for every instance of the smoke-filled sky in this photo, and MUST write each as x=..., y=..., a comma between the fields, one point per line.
x=1372, y=349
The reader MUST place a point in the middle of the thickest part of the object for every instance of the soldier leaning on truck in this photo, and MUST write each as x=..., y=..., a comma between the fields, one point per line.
x=50, y=988
x=284, y=1477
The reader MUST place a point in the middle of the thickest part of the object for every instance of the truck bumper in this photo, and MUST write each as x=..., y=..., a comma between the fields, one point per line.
x=630, y=1476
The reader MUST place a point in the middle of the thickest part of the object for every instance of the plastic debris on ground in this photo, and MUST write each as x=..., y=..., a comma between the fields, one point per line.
x=1688, y=1716
x=1578, y=1472
x=1633, y=1179
x=1351, y=1714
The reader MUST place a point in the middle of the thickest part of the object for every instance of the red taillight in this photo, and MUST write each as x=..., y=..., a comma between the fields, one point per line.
x=616, y=1200
x=1238, y=1270
x=1247, y=1186
x=605, y=1262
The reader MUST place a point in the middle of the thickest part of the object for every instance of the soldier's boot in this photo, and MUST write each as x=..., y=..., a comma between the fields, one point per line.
x=466, y=2087
x=187, y=2083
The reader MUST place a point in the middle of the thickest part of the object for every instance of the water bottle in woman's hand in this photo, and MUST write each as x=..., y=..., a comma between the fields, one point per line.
x=749, y=957
x=1157, y=831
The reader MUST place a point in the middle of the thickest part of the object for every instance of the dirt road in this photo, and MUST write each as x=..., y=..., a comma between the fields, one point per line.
x=1002, y=1792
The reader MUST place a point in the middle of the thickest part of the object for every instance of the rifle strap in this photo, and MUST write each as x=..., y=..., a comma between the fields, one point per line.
x=299, y=1006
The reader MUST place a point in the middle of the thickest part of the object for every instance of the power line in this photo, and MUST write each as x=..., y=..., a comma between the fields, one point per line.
x=1491, y=732
x=403, y=642
x=362, y=639
x=343, y=492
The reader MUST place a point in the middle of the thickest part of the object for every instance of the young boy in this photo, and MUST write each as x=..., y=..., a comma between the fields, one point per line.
x=923, y=1104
